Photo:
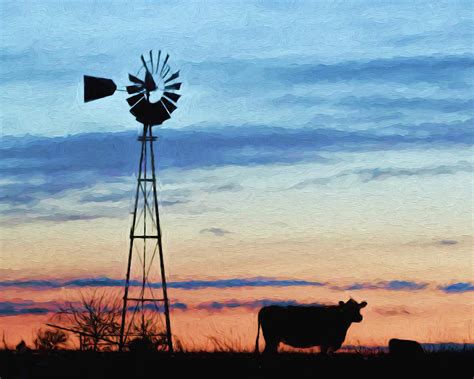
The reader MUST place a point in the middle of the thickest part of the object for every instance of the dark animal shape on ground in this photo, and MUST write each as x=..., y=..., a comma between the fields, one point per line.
x=307, y=326
x=404, y=348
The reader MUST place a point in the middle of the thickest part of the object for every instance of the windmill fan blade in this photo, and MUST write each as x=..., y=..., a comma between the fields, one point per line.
x=172, y=96
x=167, y=70
x=160, y=113
x=151, y=60
x=172, y=77
x=150, y=113
x=175, y=86
x=164, y=63
x=134, y=79
x=97, y=88
x=144, y=63
x=135, y=99
x=169, y=105
x=150, y=84
x=158, y=61
x=134, y=89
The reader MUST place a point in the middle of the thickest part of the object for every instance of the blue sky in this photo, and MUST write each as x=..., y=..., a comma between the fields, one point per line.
x=291, y=64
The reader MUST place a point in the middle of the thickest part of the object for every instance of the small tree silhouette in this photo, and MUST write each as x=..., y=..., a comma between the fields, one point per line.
x=50, y=339
x=97, y=317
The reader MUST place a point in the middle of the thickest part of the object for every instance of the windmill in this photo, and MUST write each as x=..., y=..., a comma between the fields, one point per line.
x=154, y=98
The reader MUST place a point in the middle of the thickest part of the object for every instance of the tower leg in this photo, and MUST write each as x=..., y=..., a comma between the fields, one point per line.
x=132, y=232
x=160, y=249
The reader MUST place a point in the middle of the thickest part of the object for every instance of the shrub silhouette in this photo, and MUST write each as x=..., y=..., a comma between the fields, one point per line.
x=50, y=339
x=148, y=334
x=97, y=317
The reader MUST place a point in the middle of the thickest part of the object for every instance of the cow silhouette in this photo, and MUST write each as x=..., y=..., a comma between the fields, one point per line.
x=307, y=326
x=405, y=348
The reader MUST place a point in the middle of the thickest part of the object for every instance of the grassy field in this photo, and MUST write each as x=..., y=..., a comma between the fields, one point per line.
x=77, y=364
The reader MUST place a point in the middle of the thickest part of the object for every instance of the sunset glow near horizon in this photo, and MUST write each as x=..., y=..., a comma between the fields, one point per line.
x=319, y=152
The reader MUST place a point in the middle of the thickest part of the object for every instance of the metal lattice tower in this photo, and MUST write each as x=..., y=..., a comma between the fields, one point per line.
x=145, y=242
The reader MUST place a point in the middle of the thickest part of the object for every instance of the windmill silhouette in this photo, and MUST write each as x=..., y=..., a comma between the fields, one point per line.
x=153, y=100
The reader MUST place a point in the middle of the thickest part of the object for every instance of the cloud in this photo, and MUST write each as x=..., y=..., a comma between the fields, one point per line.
x=24, y=307
x=187, y=284
x=373, y=174
x=448, y=242
x=239, y=283
x=30, y=307
x=158, y=307
x=218, y=232
x=460, y=287
x=61, y=217
x=40, y=168
x=258, y=282
x=456, y=32
x=304, y=101
x=251, y=304
x=31, y=283
x=170, y=203
x=392, y=311
x=442, y=70
x=98, y=282
x=448, y=105
x=229, y=187
x=110, y=197
x=16, y=217
x=393, y=285
x=384, y=173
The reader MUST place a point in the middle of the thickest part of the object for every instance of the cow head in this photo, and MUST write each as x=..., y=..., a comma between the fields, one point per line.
x=351, y=310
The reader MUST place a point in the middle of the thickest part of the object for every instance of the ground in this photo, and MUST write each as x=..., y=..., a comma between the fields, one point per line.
x=75, y=364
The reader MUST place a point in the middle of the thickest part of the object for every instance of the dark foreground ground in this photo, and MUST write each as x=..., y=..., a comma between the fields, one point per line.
x=84, y=365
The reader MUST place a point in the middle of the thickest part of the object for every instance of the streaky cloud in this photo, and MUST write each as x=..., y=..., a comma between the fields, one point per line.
x=459, y=287
x=251, y=304
x=448, y=105
x=373, y=174
x=187, y=284
x=63, y=165
x=218, y=232
x=442, y=70
x=392, y=311
x=448, y=242
x=393, y=285
x=27, y=307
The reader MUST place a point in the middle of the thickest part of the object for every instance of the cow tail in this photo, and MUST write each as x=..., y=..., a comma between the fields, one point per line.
x=258, y=334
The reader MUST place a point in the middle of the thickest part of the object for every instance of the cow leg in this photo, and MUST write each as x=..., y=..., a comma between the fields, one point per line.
x=335, y=347
x=271, y=346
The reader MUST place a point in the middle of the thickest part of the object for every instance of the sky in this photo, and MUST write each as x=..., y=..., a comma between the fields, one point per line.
x=320, y=150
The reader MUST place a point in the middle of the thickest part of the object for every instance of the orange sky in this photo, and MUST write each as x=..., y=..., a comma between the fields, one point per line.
x=425, y=315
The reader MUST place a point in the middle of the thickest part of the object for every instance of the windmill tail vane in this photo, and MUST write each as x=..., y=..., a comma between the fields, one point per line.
x=154, y=91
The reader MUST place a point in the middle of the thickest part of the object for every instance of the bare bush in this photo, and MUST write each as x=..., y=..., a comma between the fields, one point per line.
x=96, y=319
x=50, y=339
